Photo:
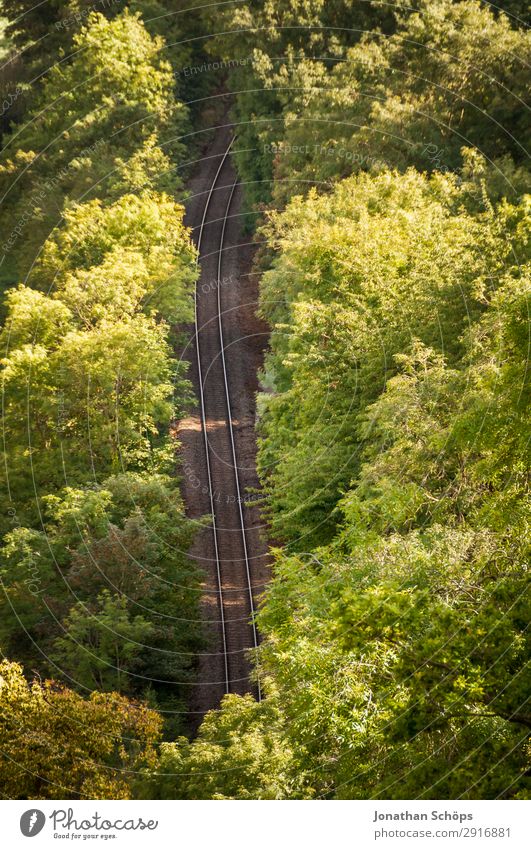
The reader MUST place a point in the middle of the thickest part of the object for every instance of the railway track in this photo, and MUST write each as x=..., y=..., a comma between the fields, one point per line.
x=227, y=554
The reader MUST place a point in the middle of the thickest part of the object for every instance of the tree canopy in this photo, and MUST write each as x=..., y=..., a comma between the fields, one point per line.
x=393, y=418
x=55, y=744
x=98, y=591
x=382, y=150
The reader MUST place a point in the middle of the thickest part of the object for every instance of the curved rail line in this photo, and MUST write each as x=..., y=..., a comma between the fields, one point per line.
x=231, y=432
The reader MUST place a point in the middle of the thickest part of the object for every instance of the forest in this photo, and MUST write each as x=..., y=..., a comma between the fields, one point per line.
x=382, y=152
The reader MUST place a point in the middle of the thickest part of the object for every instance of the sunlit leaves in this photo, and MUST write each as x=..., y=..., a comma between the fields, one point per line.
x=55, y=744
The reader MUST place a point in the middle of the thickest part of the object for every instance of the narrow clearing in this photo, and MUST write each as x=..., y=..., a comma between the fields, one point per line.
x=231, y=552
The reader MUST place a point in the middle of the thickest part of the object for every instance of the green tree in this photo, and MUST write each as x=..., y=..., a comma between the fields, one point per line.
x=451, y=77
x=401, y=650
x=358, y=274
x=110, y=262
x=55, y=744
x=118, y=551
x=240, y=753
x=270, y=49
x=111, y=102
x=102, y=643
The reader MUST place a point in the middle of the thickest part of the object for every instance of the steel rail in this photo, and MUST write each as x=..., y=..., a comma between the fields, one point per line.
x=205, y=434
x=231, y=431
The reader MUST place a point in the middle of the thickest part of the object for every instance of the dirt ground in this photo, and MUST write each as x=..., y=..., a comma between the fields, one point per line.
x=245, y=338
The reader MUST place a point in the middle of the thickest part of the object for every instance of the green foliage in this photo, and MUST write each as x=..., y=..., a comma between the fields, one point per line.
x=100, y=644
x=403, y=666
x=452, y=76
x=57, y=745
x=96, y=130
x=88, y=381
x=394, y=454
x=327, y=89
x=96, y=402
x=270, y=49
x=400, y=651
x=394, y=428
x=359, y=274
x=110, y=261
x=97, y=585
x=240, y=753
x=186, y=28
x=105, y=593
